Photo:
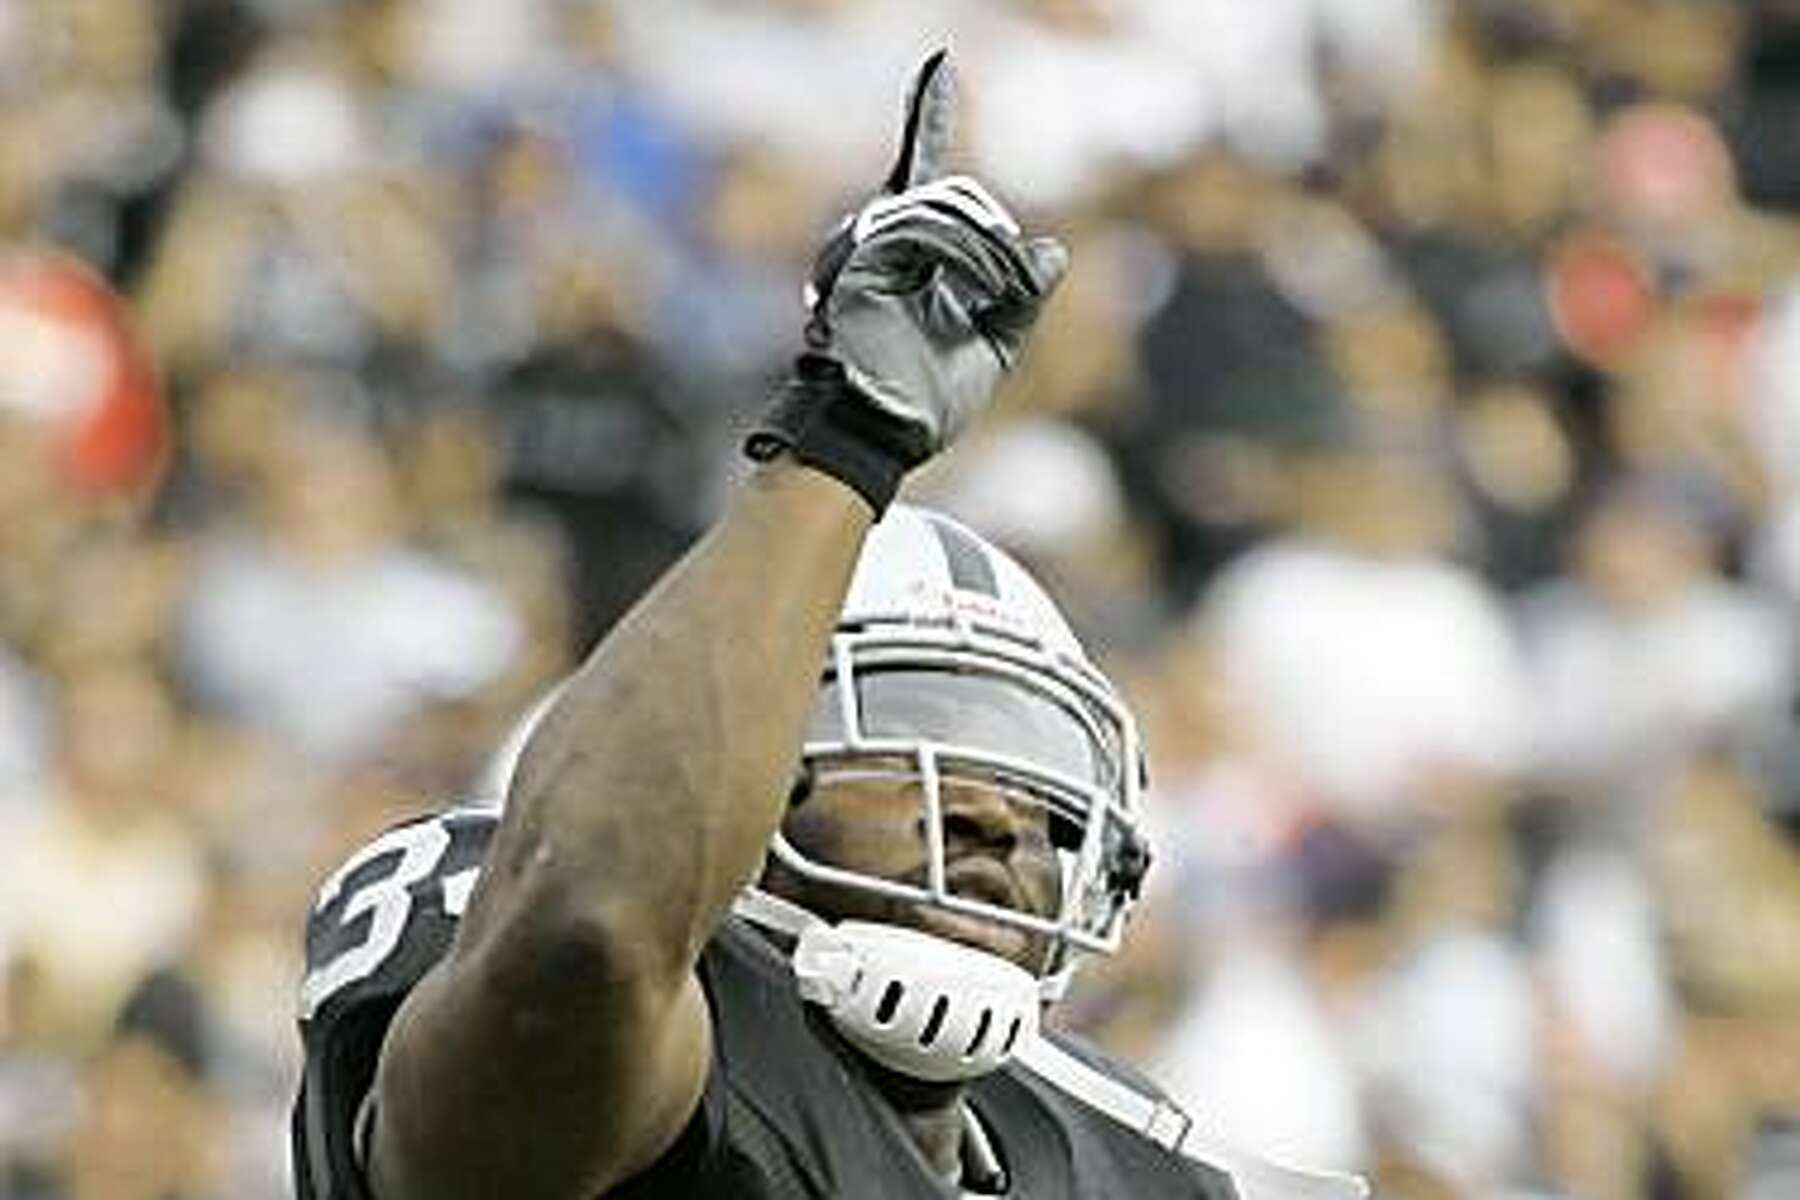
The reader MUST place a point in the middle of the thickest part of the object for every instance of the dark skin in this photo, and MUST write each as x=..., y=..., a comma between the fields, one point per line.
x=992, y=844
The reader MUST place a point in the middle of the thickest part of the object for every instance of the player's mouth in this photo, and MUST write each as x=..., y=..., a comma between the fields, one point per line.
x=979, y=933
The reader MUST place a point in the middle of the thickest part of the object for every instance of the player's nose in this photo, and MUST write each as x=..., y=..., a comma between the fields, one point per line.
x=983, y=819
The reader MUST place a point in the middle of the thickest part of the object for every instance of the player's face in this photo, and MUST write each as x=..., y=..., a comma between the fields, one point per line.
x=997, y=850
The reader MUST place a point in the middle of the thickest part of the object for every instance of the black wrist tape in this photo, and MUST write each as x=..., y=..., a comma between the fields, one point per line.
x=823, y=421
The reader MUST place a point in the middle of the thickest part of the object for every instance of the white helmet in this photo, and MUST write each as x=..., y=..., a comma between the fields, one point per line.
x=949, y=660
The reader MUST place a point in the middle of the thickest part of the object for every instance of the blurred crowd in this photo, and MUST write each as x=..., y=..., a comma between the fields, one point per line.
x=1417, y=437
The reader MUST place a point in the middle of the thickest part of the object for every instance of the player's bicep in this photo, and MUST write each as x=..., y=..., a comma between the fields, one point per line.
x=492, y=1084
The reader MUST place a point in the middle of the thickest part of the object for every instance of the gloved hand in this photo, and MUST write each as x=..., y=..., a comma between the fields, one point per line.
x=919, y=303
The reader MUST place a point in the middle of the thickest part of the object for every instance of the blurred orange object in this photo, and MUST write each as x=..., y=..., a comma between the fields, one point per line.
x=1600, y=295
x=70, y=360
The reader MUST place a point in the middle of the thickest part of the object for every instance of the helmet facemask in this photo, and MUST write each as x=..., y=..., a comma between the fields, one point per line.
x=925, y=700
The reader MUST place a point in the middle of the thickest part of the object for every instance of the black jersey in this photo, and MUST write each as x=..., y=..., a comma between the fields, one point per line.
x=785, y=1114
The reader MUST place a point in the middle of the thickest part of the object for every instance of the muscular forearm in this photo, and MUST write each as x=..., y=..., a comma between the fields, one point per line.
x=647, y=796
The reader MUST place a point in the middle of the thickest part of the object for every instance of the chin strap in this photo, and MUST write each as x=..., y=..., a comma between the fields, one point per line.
x=1158, y=1119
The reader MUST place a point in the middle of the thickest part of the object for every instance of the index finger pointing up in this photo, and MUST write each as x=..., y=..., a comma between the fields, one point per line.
x=930, y=125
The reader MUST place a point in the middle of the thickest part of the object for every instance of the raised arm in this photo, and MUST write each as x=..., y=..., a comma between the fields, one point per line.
x=564, y=1042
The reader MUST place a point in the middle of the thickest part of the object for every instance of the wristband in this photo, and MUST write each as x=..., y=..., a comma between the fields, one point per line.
x=824, y=422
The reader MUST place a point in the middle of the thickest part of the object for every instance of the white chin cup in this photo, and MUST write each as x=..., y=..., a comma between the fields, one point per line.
x=919, y=1005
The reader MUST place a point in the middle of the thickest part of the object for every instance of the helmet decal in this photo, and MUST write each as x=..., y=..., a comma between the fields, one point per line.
x=965, y=557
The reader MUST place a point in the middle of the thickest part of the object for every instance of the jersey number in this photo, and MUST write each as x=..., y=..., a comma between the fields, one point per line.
x=416, y=851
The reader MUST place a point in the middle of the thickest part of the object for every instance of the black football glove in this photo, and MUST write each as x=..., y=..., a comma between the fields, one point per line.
x=918, y=304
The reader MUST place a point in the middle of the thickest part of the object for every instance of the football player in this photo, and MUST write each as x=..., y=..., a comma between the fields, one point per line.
x=786, y=872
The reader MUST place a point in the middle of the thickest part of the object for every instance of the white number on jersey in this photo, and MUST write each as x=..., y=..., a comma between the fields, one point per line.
x=387, y=900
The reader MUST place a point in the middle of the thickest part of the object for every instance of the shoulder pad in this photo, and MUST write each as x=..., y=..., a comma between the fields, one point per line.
x=383, y=917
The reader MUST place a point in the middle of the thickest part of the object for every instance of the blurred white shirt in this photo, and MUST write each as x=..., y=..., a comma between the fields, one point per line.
x=1450, y=1050
x=1600, y=942
x=1620, y=696
x=1255, y=1060
x=1365, y=672
x=327, y=662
